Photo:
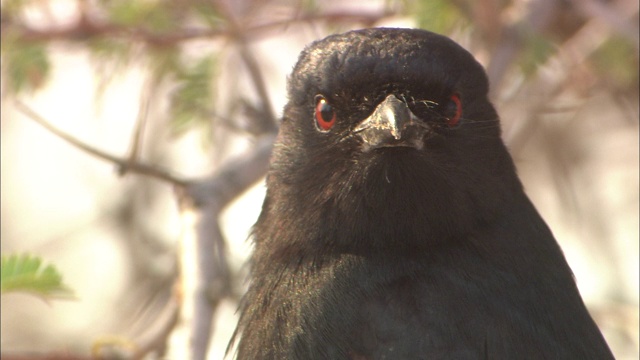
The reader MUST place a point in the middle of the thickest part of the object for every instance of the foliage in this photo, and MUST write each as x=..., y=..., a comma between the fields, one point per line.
x=26, y=66
x=440, y=16
x=191, y=101
x=152, y=15
x=617, y=62
x=25, y=273
x=537, y=50
x=156, y=34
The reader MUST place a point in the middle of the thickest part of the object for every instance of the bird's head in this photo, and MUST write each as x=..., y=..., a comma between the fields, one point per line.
x=388, y=133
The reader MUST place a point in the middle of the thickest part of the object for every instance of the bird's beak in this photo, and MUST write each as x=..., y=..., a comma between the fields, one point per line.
x=392, y=124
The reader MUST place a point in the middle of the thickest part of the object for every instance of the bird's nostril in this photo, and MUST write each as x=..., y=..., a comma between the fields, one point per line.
x=390, y=125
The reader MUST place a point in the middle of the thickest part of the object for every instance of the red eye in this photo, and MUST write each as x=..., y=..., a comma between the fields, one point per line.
x=325, y=115
x=455, y=111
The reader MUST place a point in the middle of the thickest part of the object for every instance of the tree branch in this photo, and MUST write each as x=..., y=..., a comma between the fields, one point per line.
x=269, y=124
x=46, y=356
x=552, y=77
x=204, y=265
x=87, y=28
x=141, y=121
x=124, y=165
x=155, y=338
x=211, y=275
x=611, y=15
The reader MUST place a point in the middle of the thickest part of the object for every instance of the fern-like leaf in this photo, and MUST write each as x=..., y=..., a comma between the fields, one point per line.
x=25, y=273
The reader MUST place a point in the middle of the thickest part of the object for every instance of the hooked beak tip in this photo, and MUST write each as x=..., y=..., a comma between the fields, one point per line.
x=392, y=124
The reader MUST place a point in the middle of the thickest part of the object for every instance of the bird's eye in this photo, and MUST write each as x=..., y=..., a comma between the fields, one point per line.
x=325, y=114
x=454, y=111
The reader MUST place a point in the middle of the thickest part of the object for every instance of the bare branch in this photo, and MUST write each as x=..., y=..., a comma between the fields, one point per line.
x=611, y=15
x=539, y=15
x=46, y=356
x=124, y=165
x=269, y=124
x=210, y=196
x=234, y=177
x=211, y=278
x=554, y=74
x=204, y=268
x=141, y=120
x=87, y=28
x=156, y=336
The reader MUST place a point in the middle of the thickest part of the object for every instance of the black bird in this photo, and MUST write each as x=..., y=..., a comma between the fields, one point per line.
x=395, y=226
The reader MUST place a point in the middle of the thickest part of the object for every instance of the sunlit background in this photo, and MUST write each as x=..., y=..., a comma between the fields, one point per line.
x=564, y=79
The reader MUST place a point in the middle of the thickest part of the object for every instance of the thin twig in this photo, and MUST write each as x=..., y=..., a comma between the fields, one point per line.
x=205, y=269
x=234, y=177
x=552, y=77
x=611, y=15
x=157, y=335
x=45, y=356
x=135, y=167
x=87, y=29
x=505, y=54
x=270, y=123
x=141, y=122
x=204, y=266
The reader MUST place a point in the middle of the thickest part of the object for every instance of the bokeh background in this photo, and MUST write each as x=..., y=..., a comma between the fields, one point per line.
x=181, y=99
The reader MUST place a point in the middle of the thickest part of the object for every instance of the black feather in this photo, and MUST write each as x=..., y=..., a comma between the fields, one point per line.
x=403, y=251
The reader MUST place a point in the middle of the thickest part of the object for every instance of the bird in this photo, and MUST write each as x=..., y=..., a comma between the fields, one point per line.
x=394, y=224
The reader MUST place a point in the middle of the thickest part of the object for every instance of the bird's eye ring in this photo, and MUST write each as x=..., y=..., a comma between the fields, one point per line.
x=454, y=111
x=325, y=115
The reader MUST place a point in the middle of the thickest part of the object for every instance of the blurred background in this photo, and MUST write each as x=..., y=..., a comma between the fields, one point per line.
x=135, y=136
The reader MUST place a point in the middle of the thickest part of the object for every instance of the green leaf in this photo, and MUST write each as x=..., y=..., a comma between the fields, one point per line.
x=26, y=66
x=25, y=273
x=207, y=12
x=105, y=49
x=192, y=101
x=536, y=52
x=617, y=63
x=13, y=7
x=153, y=15
x=440, y=16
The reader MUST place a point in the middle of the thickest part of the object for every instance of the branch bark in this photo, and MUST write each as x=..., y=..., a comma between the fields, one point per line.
x=124, y=165
x=204, y=263
x=205, y=270
x=87, y=28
